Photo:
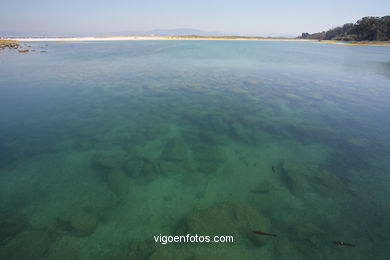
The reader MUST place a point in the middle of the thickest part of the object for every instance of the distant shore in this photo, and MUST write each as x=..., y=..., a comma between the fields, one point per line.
x=194, y=37
x=127, y=38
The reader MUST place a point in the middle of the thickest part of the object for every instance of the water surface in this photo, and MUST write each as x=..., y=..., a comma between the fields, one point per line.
x=104, y=145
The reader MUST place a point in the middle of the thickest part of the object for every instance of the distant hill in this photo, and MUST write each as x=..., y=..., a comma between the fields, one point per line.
x=366, y=29
x=156, y=32
x=179, y=31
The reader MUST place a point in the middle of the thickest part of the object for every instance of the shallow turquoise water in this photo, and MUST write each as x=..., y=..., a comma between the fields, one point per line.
x=104, y=145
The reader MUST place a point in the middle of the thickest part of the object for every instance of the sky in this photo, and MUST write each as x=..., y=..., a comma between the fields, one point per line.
x=244, y=17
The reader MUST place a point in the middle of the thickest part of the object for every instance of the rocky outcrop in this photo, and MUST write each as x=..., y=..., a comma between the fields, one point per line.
x=11, y=44
x=8, y=44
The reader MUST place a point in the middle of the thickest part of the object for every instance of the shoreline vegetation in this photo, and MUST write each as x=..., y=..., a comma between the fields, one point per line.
x=368, y=29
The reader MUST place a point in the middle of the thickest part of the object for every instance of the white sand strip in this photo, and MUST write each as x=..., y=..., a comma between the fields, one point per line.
x=128, y=38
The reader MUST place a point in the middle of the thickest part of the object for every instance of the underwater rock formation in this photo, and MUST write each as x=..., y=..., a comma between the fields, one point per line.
x=204, y=137
x=134, y=167
x=187, y=252
x=210, y=157
x=286, y=249
x=241, y=132
x=165, y=253
x=232, y=218
x=307, y=231
x=263, y=187
x=10, y=226
x=141, y=169
x=118, y=181
x=212, y=138
x=203, y=257
x=218, y=124
x=139, y=250
x=30, y=244
x=174, y=157
x=111, y=168
x=118, y=167
x=112, y=159
x=175, y=150
x=301, y=179
x=149, y=171
x=80, y=223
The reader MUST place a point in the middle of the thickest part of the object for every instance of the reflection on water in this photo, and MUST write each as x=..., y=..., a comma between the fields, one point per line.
x=105, y=145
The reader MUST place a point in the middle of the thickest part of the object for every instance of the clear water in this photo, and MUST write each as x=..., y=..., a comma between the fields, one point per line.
x=104, y=145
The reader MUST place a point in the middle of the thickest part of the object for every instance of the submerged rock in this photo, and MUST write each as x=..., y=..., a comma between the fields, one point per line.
x=175, y=150
x=210, y=158
x=139, y=250
x=83, y=223
x=117, y=167
x=187, y=252
x=241, y=132
x=134, y=167
x=285, y=249
x=212, y=138
x=79, y=223
x=204, y=137
x=301, y=178
x=118, y=181
x=142, y=170
x=112, y=159
x=307, y=231
x=10, y=226
x=30, y=244
x=165, y=253
x=295, y=178
x=218, y=124
x=233, y=218
x=148, y=172
x=263, y=187
x=208, y=257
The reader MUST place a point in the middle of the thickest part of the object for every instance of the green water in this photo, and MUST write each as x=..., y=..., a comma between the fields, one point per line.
x=105, y=145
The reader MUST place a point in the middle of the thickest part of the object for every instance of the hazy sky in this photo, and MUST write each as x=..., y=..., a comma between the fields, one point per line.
x=251, y=17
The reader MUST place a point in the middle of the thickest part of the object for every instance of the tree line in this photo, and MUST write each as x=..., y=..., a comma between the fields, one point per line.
x=366, y=29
